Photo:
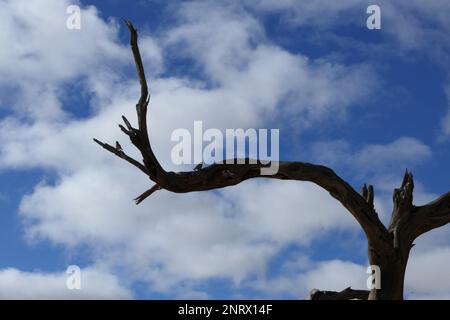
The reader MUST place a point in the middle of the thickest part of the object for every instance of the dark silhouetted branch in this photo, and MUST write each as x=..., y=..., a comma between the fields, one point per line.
x=346, y=294
x=224, y=175
x=147, y=194
x=432, y=215
x=119, y=152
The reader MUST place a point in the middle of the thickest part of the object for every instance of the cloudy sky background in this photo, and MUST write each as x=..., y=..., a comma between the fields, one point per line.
x=369, y=103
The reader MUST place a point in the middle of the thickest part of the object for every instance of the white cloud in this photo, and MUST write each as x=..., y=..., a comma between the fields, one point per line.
x=407, y=150
x=40, y=47
x=403, y=153
x=413, y=29
x=260, y=79
x=336, y=275
x=255, y=80
x=427, y=274
x=287, y=211
x=381, y=165
x=330, y=275
x=16, y=284
x=43, y=55
x=180, y=237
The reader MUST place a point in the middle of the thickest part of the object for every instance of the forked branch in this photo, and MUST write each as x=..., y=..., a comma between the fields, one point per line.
x=121, y=154
x=221, y=175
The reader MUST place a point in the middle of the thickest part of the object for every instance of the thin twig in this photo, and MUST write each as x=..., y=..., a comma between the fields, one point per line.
x=119, y=152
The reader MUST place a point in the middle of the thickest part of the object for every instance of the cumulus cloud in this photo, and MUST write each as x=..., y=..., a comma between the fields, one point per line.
x=299, y=277
x=255, y=80
x=411, y=28
x=288, y=211
x=260, y=78
x=42, y=53
x=380, y=165
x=427, y=276
x=402, y=152
x=429, y=269
x=16, y=284
x=181, y=237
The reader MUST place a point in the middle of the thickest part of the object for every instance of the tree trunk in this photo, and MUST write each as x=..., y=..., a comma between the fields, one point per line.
x=392, y=272
x=392, y=258
x=392, y=264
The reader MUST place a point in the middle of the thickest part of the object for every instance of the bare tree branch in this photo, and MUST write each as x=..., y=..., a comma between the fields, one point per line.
x=402, y=212
x=226, y=174
x=119, y=152
x=147, y=193
x=368, y=194
x=346, y=294
x=141, y=140
x=223, y=175
x=432, y=215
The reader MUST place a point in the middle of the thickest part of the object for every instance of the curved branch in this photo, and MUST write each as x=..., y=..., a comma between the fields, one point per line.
x=409, y=221
x=233, y=172
x=141, y=140
x=432, y=215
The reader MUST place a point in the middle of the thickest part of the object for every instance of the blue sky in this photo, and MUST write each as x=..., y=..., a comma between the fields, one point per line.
x=368, y=103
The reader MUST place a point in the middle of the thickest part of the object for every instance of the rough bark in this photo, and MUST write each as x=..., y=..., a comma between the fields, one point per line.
x=388, y=248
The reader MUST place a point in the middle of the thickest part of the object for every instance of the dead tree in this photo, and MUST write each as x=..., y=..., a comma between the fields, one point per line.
x=388, y=247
